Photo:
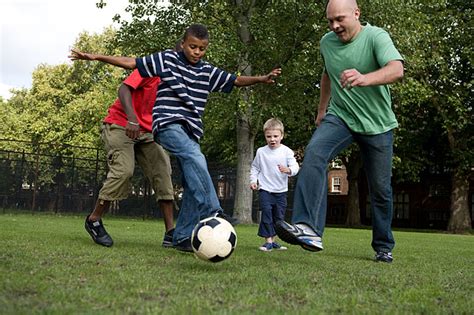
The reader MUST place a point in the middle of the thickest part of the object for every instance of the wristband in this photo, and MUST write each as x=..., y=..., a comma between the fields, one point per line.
x=133, y=123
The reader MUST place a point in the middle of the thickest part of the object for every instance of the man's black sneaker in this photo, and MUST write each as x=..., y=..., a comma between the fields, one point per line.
x=293, y=234
x=228, y=218
x=168, y=239
x=384, y=257
x=184, y=246
x=98, y=233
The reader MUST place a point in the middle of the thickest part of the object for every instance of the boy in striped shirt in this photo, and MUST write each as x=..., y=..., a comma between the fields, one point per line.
x=186, y=81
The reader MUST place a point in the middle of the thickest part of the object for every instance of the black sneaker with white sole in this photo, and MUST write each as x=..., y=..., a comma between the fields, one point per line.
x=168, y=239
x=184, y=246
x=383, y=257
x=98, y=233
x=292, y=234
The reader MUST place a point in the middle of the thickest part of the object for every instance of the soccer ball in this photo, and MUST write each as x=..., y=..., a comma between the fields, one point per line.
x=213, y=239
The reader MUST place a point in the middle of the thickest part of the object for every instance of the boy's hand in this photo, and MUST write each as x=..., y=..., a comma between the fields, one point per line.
x=284, y=169
x=253, y=186
x=243, y=80
x=132, y=130
x=270, y=78
x=79, y=55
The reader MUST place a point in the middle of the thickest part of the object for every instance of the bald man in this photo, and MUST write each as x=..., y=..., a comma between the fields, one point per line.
x=360, y=60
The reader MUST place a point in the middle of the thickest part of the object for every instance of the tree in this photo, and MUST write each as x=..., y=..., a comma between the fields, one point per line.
x=248, y=37
x=452, y=98
x=434, y=105
x=63, y=109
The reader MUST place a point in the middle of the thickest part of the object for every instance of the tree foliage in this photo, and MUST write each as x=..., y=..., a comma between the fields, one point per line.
x=66, y=103
x=433, y=104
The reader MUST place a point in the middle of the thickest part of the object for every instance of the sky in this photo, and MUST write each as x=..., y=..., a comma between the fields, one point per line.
x=33, y=32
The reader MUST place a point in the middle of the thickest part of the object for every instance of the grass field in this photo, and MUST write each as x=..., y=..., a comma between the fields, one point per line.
x=49, y=265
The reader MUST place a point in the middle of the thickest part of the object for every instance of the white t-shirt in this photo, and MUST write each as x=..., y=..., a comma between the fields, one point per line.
x=265, y=172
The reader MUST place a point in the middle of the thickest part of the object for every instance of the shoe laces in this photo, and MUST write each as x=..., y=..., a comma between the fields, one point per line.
x=99, y=228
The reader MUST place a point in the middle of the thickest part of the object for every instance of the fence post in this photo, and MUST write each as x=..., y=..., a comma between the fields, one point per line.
x=35, y=181
x=96, y=190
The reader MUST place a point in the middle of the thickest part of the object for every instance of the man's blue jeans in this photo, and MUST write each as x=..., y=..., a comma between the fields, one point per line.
x=310, y=196
x=199, y=195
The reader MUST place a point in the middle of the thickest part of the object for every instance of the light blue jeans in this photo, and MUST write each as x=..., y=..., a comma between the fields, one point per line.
x=310, y=196
x=199, y=195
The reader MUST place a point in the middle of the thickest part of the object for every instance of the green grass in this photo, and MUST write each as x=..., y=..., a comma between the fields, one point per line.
x=49, y=265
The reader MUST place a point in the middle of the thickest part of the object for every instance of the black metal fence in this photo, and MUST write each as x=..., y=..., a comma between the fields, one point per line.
x=63, y=178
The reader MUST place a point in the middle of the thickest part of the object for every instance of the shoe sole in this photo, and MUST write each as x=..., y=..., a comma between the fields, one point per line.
x=289, y=237
x=183, y=250
x=286, y=235
x=94, y=238
x=311, y=248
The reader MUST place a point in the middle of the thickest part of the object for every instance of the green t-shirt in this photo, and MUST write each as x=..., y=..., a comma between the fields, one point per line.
x=366, y=110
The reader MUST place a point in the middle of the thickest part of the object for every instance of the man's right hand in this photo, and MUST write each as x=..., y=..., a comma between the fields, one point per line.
x=319, y=118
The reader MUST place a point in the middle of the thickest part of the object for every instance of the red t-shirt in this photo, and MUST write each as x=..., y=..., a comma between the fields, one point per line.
x=143, y=99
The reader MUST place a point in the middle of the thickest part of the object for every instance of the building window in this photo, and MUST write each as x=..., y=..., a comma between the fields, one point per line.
x=401, y=206
x=336, y=164
x=336, y=185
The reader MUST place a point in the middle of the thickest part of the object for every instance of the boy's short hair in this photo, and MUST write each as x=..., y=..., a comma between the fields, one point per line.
x=197, y=30
x=274, y=124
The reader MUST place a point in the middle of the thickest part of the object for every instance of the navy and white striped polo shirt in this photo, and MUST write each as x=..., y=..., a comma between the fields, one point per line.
x=184, y=88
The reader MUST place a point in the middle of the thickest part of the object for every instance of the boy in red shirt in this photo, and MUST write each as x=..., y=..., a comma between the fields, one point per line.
x=126, y=132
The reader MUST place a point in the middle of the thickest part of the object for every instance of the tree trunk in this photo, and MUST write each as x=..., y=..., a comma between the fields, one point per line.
x=245, y=136
x=243, y=193
x=460, y=219
x=353, y=165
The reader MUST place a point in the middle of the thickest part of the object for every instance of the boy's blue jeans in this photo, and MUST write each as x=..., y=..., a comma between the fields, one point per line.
x=199, y=195
x=273, y=207
x=310, y=196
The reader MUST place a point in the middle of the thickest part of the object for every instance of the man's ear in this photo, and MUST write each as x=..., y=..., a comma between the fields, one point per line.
x=357, y=13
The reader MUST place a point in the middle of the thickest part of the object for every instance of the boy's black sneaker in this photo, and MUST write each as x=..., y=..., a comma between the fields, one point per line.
x=384, y=257
x=184, y=246
x=168, y=239
x=98, y=233
x=228, y=218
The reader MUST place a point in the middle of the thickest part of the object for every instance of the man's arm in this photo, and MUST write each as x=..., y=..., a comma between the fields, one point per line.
x=251, y=80
x=132, y=129
x=391, y=72
x=124, y=62
x=323, y=97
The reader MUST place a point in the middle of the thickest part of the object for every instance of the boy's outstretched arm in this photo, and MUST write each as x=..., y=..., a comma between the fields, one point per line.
x=250, y=80
x=124, y=62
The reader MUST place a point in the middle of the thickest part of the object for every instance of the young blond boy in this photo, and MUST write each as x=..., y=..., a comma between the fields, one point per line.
x=271, y=167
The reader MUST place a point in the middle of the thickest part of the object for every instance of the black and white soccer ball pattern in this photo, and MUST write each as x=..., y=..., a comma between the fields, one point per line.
x=213, y=239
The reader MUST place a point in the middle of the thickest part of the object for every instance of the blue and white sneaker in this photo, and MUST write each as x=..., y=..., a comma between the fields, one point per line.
x=267, y=247
x=296, y=235
x=277, y=246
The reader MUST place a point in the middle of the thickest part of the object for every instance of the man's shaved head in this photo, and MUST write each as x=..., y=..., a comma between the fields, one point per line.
x=342, y=4
x=343, y=18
